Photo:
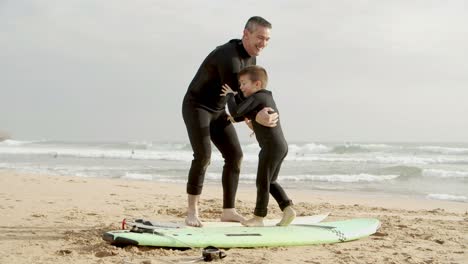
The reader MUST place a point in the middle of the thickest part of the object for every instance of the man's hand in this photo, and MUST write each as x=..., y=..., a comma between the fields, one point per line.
x=266, y=119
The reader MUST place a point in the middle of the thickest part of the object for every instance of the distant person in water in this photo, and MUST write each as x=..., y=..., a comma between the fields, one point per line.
x=205, y=118
x=274, y=148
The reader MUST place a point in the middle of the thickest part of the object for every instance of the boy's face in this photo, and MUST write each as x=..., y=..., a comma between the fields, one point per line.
x=247, y=86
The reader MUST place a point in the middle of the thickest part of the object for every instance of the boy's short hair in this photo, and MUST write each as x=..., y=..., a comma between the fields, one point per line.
x=256, y=21
x=255, y=73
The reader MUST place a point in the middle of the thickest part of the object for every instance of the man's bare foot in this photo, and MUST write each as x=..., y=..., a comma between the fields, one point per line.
x=231, y=215
x=192, y=211
x=255, y=221
x=288, y=216
x=193, y=220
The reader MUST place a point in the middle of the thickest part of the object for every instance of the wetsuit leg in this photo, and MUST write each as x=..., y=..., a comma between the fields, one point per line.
x=197, y=121
x=224, y=137
x=275, y=188
x=270, y=159
x=263, y=183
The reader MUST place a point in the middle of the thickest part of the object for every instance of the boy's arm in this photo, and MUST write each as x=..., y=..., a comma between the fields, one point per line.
x=228, y=93
x=238, y=111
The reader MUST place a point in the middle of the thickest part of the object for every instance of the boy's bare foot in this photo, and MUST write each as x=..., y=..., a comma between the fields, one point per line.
x=192, y=211
x=288, y=216
x=231, y=215
x=255, y=221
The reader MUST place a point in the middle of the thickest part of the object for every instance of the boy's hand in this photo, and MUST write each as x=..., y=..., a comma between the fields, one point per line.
x=230, y=118
x=227, y=90
x=248, y=122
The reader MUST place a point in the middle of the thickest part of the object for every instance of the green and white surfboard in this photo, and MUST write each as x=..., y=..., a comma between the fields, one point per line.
x=239, y=236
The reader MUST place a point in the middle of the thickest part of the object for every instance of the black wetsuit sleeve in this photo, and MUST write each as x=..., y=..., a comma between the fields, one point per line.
x=226, y=73
x=238, y=111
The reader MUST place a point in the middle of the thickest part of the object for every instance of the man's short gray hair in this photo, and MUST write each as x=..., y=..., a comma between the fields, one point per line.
x=256, y=21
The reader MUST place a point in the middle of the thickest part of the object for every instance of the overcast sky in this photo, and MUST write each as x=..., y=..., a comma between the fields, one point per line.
x=93, y=70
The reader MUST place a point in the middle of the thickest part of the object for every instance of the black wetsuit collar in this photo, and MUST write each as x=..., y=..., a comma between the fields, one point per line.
x=240, y=47
x=264, y=91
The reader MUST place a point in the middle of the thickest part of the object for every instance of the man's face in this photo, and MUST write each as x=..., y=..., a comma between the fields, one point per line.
x=256, y=41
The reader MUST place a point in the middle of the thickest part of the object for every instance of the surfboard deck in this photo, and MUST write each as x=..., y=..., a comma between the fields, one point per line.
x=239, y=236
x=151, y=224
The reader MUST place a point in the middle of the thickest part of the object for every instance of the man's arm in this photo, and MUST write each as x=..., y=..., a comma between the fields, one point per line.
x=264, y=118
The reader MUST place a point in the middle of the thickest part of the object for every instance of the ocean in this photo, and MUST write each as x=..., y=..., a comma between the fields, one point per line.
x=430, y=170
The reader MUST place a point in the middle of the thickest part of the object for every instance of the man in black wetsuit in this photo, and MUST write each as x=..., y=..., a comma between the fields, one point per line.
x=274, y=148
x=204, y=114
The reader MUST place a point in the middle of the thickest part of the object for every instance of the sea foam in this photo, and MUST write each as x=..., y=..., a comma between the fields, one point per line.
x=448, y=197
x=445, y=173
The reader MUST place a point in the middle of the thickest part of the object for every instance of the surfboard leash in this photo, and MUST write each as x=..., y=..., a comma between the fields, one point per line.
x=208, y=253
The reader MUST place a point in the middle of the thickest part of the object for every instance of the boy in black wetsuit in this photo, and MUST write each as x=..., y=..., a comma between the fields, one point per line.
x=253, y=81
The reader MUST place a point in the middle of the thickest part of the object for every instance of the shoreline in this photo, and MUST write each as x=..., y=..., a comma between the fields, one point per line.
x=57, y=219
x=370, y=198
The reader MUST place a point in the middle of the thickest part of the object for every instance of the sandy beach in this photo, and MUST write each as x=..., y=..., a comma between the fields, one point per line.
x=54, y=219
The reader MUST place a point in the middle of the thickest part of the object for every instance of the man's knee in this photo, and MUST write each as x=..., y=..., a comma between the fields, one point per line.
x=234, y=159
x=202, y=160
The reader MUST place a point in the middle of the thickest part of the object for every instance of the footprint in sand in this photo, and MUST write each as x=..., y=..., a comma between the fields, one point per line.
x=39, y=215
